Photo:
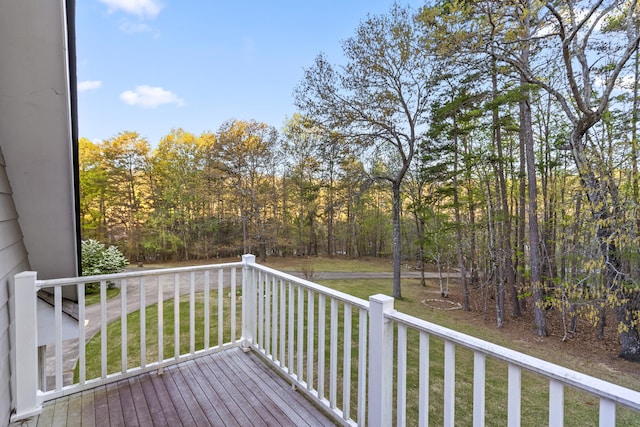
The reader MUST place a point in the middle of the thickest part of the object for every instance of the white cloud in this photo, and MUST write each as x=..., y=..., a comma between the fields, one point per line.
x=626, y=82
x=89, y=85
x=150, y=97
x=622, y=83
x=130, y=27
x=141, y=8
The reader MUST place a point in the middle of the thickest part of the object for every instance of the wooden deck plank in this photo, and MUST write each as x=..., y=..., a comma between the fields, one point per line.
x=218, y=374
x=194, y=402
x=172, y=418
x=275, y=388
x=115, y=407
x=228, y=388
x=155, y=409
x=181, y=398
x=75, y=407
x=213, y=396
x=60, y=412
x=101, y=406
x=88, y=417
x=129, y=415
x=209, y=375
x=45, y=419
x=139, y=402
x=270, y=413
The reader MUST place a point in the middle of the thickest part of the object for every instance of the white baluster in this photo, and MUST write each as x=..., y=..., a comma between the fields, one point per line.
x=207, y=311
x=449, y=383
x=333, y=354
x=233, y=305
x=322, y=308
x=176, y=316
x=363, y=316
x=515, y=380
x=160, y=324
x=479, y=377
x=192, y=312
x=300, y=335
x=103, y=329
x=82, y=335
x=556, y=403
x=423, y=399
x=274, y=319
x=57, y=305
x=607, y=413
x=220, y=307
x=124, y=333
x=143, y=323
x=346, y=366
x=401, y=409
x=310, y=338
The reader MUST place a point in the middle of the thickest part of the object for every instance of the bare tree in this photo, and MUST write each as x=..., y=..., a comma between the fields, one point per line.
x=378, y=100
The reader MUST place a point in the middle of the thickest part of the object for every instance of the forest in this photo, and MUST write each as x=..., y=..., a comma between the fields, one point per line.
x=497, y=139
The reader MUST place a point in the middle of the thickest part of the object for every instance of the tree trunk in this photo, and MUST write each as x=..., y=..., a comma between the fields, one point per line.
x=634, y=145
x=534, y=231
x=507, y=263
x=522, y=214
x=420, y=233
x=526, y=136
x=397, y=293
x=473, y=253
x=456, y=207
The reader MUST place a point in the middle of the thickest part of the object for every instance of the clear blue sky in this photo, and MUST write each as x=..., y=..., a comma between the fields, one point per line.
x=152, y=65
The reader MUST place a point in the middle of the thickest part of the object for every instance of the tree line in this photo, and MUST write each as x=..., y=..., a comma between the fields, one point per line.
x=244, y=189
x=497, y=138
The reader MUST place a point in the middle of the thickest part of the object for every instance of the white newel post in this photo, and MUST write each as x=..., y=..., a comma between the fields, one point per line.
x=26, y=332
x=248, y=300
x=380, y=361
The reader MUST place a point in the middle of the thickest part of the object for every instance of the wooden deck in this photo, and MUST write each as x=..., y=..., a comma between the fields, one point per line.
x=229, y=388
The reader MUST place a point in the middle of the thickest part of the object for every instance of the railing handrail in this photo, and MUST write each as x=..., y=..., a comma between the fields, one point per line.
x=130, y=274
x=603, y=389
x=341, y=296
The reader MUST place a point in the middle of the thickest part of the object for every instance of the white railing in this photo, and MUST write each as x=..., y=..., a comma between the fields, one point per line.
x=365, y=362
x=385, y=319
x=179, y=314
x=308, y=332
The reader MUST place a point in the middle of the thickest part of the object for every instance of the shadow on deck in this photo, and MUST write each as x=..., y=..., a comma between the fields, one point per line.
x=229, y=388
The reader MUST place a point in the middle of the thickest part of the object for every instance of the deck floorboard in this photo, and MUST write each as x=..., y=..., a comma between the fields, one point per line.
x=88, y=415
x=229, y=388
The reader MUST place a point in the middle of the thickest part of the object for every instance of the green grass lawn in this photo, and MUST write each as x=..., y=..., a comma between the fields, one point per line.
x=94, y=297
x=580, y=409
x=319, y=264
x=298, y=264
x=114, y=336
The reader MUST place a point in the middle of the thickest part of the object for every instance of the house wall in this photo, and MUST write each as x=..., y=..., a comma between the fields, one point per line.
x=37, y=196
x=13, y=259
x=35, y=130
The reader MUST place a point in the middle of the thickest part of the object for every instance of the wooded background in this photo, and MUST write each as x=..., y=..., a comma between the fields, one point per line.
x=496, y=138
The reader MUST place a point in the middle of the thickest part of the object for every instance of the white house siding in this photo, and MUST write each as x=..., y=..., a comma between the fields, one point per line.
x=37, y=206
x=13, y=259
x=35, y=130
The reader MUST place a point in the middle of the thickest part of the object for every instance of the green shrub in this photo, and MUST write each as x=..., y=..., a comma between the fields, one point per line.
x=98, y=259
